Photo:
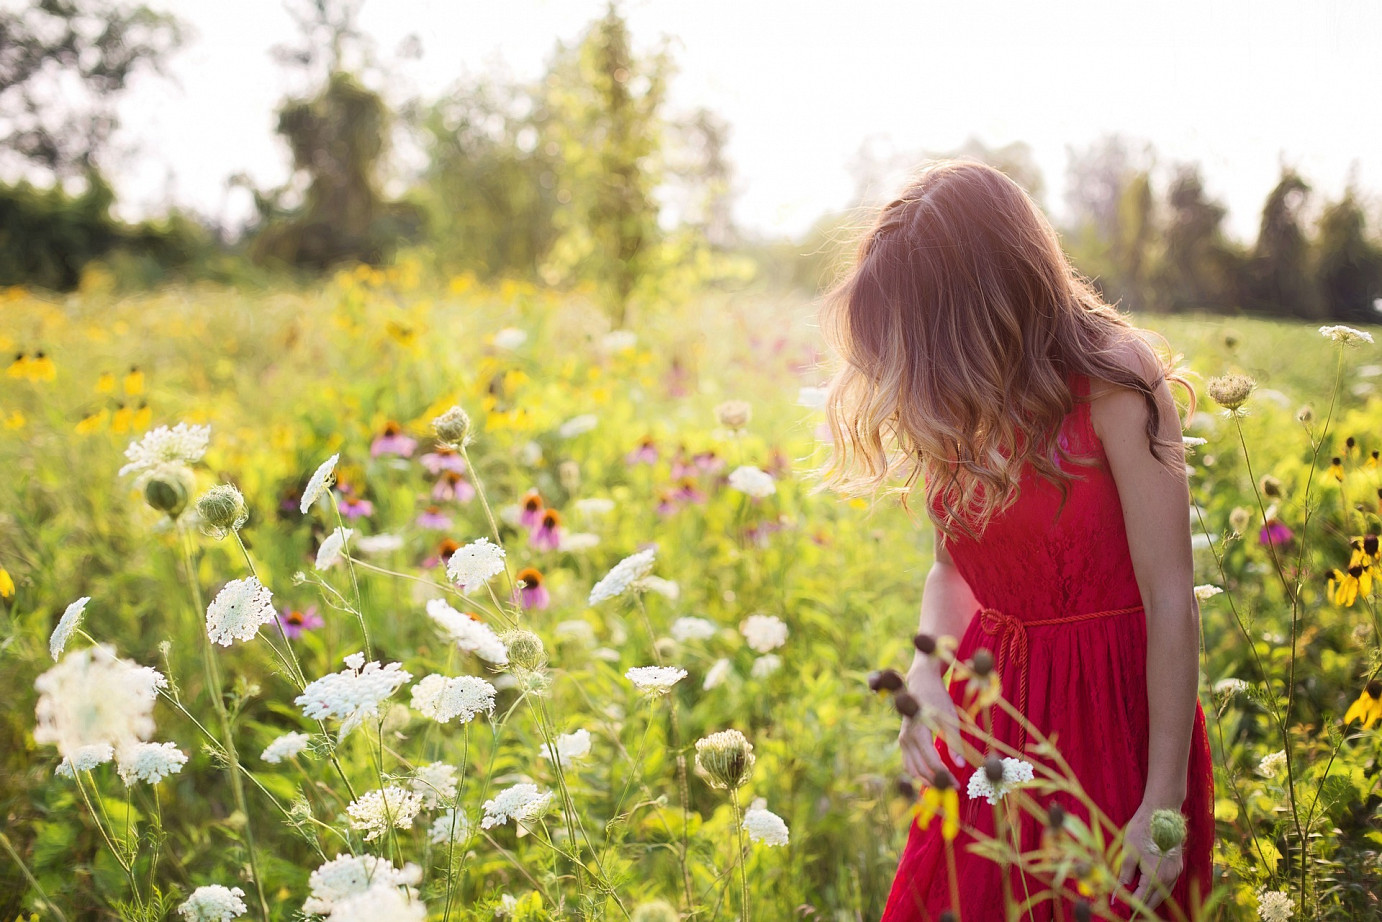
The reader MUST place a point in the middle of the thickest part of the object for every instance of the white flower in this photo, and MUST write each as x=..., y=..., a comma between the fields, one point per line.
x=1016, y=772
x=375, y=811
x=664, y=587
x=716, y=674
x=378, y=544
x=625, y=574
x=449, y=827
x=570, y=746
x=151, y=762
x=445, y=699
x=239, y=610
x=349, y=875
x=475, y=564
x=435, y=783
x=510, y=338
x=594, y=506
x=380, y=903
x=575, y=630
x=285, y=747
x=812, y=397
x=467, y=633
x=764, y=632
x=213, y=903
x=93, y=702
x=763, y=825
x=322, y=478
x=329, y=554
x=1271, y=763
x=578, y=425
x=530, y=454
x=1230, y=687
x=352, y=694
x=1192, y=441
x=508, y=905
x=576, y=541
x=520, y=802
x=182, y=444
x=1206, y=592
x=66, y=625
x=765, y=665
x=751, y=480
x=1274, y=905
x=1346, y=335
x=690, y=628
x=84, y=760
x=655, y=680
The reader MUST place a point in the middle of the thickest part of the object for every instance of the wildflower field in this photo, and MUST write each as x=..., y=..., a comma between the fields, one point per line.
x=283, y=634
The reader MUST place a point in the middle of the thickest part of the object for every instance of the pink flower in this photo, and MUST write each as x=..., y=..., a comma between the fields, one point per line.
x=645, y=453
x=392, y=441
x=1274, y=533
x=445, y=549
x=296, y=623
x=432, y=517
x=441, y=459
x=352, y=507
x=532, y=507
x=530, y=592
x=547, y=535
x=688, y=491
x=709, y=462
x=452, y=485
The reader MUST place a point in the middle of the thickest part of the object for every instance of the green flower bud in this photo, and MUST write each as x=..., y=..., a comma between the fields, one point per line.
x=168, y=489
x=222, y=510
x=453, y=427
x=1168, y=829
x=724, y=759
x=525, y=649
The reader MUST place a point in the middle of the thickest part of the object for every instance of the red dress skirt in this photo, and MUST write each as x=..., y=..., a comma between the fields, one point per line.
x=1062, y=614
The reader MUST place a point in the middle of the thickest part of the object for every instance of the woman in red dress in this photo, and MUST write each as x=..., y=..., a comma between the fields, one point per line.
x=1042, y=426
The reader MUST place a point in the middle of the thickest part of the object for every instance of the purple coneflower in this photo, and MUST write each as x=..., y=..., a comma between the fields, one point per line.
x=666, y=502
x=443, y=458
x=530, y=592
x=688, y=491
x=432, y=517
x=547, y=535
x=709, y=462
x=352, y=506
x=296, y=623
x=392, y=441
x=445, y=548
x=531, y=506
x=451, y=485
x=645, y=453
x=1275, y=532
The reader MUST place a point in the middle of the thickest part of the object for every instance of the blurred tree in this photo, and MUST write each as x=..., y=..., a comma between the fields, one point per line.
x=1111, y=227
x=600, y=105
x=878, y=175
x=703, y=176
x=1347, y=265
x=63, y=66
x=1201, y=265
x=1277, y=278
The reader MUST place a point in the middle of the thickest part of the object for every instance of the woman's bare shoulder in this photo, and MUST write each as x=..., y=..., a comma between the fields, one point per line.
x=1135, y=355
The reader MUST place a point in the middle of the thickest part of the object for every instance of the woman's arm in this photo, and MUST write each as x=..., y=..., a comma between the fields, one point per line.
x=1156, y=511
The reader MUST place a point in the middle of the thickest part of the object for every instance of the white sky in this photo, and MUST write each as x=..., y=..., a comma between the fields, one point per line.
x=1239, y=85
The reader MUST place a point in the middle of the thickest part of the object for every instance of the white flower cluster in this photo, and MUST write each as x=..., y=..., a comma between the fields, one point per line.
x=352, y=694
x=444, y=699
x=239, y=610
x=435, y=783
x=578, y=425
x=347, y=876
x=182, y=444
x=717, y=673
x=1271, y=763
x=763, y=825
x=1016, y=772
x=449, y=827
x=380, y=904
x=333, y=548
x=213, y=903
x=1348, y=336
x=764, y=632
x=93, y=702
x=765, y=665
x=66, y=625
x=752, y=481
x=520, y=802
x=655, y=680
x=467, y=633
x=570, y=746
x=322, y=478
x=151, y=762
x=472, y=566
x=375, y=811
x=1274, y=905
x=1230, y=687
x=594, y=506
x=690, y=628
x=626, y=573
x=1206, y=592
x=285, y=747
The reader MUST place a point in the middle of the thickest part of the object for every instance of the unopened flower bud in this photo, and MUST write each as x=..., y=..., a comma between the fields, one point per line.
x=904, y=787
x=982, y=663
x=569, y=472
x=993, y=769
x=1270, y=486
x=943, y=781
x=1231, y=391
x=724, y=759
x=1305, y=414
x=733, y=414
x=1168, y=829
x=906, y=704
x=222, y=510
x=924, y=643
x=885, y=680
x=453, y=427
x=1238, y=519
x=1055, y=817
x=168, y=489
x=525, y=649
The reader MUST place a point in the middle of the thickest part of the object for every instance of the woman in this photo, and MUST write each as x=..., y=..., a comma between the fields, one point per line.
x=975, y=358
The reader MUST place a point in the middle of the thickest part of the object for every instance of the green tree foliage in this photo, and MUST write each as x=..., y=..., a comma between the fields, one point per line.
x=1348, y=266
x=1201, y=267
x=1276, y=279
x=1112, y=218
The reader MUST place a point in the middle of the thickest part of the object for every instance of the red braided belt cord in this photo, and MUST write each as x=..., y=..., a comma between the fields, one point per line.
x=1010, y=634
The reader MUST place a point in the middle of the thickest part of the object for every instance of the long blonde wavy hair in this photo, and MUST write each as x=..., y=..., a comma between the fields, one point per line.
x=955, y=328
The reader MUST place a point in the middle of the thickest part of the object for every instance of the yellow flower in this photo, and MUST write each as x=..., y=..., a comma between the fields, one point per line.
x=1345, y=585
x=93, y=422
x=1368, y=707
x=105, y=384
x=142, y=417
x=942, y=798
x=123, y=418
x=1374, y=458
x=6, y=584
x=41, y=368
x=134, y=382
x=15, y=420
x=1336, y=469
x=1365, y=551
x=19, y=368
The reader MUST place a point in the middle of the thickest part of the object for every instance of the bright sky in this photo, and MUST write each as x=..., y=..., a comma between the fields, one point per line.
x=1239, y=85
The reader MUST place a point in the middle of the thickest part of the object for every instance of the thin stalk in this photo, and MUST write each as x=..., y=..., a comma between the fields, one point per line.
x=29, y=876
x=101, y=827
x=743, y=870
x=355, y=583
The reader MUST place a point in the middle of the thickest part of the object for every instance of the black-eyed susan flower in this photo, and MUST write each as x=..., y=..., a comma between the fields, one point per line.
x=134, y=382
x=143, y=416
x=1374, y=458
x=1344, y=585
x=1350, y=446
x=6, y=584
x=93, y=421
x=41, y=367
x=942, y=798
x=1365, y=551
x=105, y=384
x=1368, y=707
x=19, y=368
x=122, y=419
x=1336, y=468
x=15, y=420
x=886, y=681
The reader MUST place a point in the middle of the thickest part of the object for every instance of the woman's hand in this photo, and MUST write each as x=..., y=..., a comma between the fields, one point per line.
x=1159, y=870
x=919, y=753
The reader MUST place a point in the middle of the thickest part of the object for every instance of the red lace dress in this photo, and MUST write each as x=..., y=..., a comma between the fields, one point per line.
x=1062, y=614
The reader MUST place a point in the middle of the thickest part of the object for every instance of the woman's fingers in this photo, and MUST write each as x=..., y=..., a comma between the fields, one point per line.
x=919, y=752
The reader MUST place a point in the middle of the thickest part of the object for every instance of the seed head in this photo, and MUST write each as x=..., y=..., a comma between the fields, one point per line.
x=168, y=488
x=907, y=705
x=1168, y=829
x=1230, y=391
x=1055, y=817
x=222, y=510
x=885, y=680
x=1270, y=486
x=1238, y=519
x=924, y=643
x=982, y=663
x=725, y=759
x=525, y=649
x=453, y=428
x=734, y=414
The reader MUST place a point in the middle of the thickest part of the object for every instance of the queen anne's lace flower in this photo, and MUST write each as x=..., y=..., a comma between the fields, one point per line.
x=763, y=825
x=1274, y=905
x=322, y=478
x=626, y=573
x=577, y=425
x=764, y=632
x=765, y=665
x=444, y=699
x=375, y=811
x=472, y=566
x=84, y=760
x=239, y=610
x=285, y=747
x=655, y=679
x=350, y=875
x=66, y=625
x=690, y=628
x=449, y=827
x=182, y=444
x=752, y=481
x=1271, y=763
x=520, y=802
x=1346, y=335
x=352, y=694
x=467, y=633
x=151, y=762
x=332, y=548
x=716, y=674
x=435, y=783
x=1206, y=592
x=213, y=903
x=570, y=746
x=93, y=702
x=380, y=904
x=1016, y=772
